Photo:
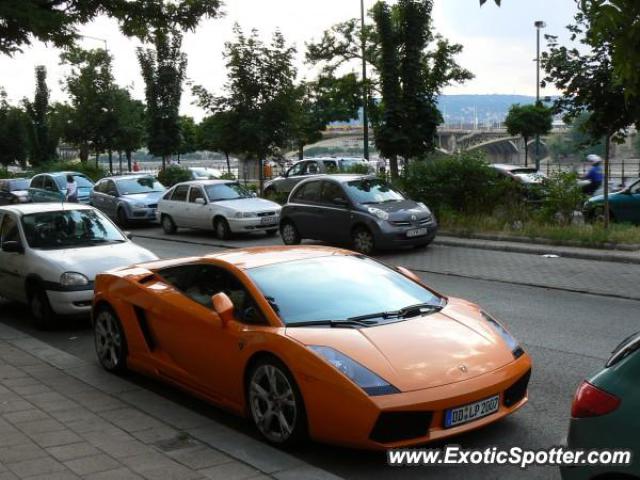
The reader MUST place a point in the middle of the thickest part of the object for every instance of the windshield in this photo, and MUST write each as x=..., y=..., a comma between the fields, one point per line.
x=370, y=191
x=68, y=229
x=133, y=186
x=81, y=180
x=19, y=185
x=336, y=288
x=524, y=171
x=226, y=191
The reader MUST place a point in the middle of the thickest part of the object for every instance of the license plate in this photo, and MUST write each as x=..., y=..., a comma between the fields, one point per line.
x=418, y=232
x=471, y=412
x=268, y=220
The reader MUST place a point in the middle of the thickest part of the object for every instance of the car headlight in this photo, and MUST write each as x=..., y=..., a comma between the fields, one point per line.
x=371, y=383
x=509, y=339
x=424, y=207
x=245, y=215
x=139, y=205
x=73, y=279
x=381, y=214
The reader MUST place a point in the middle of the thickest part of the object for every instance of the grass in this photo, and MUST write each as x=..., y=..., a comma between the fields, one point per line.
x=588, y=235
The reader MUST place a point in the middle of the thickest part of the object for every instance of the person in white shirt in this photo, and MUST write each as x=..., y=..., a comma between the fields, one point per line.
x=72, y=190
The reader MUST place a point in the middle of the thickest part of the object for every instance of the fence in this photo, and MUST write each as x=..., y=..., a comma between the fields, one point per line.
x=621, y=171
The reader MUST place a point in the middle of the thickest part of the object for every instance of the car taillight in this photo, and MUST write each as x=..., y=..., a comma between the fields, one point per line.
x=590, y=401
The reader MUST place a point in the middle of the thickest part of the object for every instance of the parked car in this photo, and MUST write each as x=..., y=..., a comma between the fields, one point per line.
x=52, y=187
x=624, y=205
x=604, y=414
x=310, y=167
x=50, y=254
x=313, y=341
x=128, y=198
x=523, y=175
x=14, y=190
x=204, y=173
x=223, y=206
x=360, y=209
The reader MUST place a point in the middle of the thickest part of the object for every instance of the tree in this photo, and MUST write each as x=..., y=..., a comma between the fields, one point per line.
x=14, y=141
x=218, y=133
x=589, y=84
x=163, y=70
x=131, y=124
x=188, y=136
x=42, y=149
x=528, y=121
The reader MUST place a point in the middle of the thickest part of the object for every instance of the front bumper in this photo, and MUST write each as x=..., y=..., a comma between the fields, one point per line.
x=388, y=235
x=76, y=302
x=142, y=214
x=352, y=421
x=244, y=225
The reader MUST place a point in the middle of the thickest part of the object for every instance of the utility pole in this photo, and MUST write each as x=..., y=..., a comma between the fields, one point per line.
x=539, y=25
x=365, y=93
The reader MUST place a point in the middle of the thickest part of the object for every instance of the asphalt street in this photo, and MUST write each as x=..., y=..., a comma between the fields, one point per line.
x=568, y=333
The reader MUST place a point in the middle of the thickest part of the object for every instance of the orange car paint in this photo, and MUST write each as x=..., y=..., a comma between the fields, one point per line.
x=197, y=353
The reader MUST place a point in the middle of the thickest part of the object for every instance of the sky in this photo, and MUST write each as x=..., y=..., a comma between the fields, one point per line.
x=499, y=44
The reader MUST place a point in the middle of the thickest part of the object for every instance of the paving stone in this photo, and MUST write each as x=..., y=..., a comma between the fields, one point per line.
x=12, y=438
x=53, y=439
x=155, y=434
x=72, y=451
x=38, y=466
x=230, y=471
x=40, y=426
x=61, y=475
x=98, y=402
x=131, y=420
x=7, y=476
x=20, y=381
x=9, y=371
x=26, y=416
x=72, y=414
x=307, y=472
x=20, y=452
x=92, y=464
x=118, y=474
x=31, y=389
x=119, y=448
x=174, y=472
x=17, y=405
x=199, y=457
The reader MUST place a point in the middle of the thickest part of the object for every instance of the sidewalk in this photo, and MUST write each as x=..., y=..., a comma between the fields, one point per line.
x=63, y=418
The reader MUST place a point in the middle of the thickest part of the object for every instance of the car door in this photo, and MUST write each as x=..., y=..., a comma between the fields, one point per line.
x=110, y=198
x=36, y=188
x=628, y=205
x=98, y=195
x=198, y=209
x=11, y=263
x=334, y=218
x=5, y=194
x=294, y=176
x=178, y=204
x=192, y=335
x=307, y=209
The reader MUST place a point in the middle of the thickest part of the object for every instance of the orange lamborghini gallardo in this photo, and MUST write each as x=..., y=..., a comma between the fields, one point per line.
x=313, y=341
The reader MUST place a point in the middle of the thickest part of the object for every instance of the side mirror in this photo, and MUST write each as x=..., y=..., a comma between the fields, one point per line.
x=409, y=274
x=223, y=306
x=200, y=201
x=12, y=247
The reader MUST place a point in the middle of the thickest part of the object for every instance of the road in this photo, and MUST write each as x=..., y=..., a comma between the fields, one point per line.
x=569, y=335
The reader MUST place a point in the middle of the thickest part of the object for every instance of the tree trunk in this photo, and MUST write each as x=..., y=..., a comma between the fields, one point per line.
x=84, y=153
x=228, y=162
x=97, y=159
x=110, y=153
x=393, y=167
x=120, y=161
x=607, y=152
x=526, y=151
x=128, y=154
x=300, y=151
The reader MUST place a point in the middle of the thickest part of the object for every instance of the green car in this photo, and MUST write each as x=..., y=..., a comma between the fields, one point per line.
x=605, y=415
x=624, y=206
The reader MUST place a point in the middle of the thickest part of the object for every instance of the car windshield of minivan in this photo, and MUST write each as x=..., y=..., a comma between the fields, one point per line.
x=82, y=181
x=226, y=191
x=337, y=289
x=135, y=186
x=372, y=191
x=69, y=229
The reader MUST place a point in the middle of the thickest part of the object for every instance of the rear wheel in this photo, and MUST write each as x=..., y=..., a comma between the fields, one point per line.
x=110, y=341
x=275, y=403
x=221, y=227
x=168, y=225
x=289, y=234
x=121, y=217
x=40, y=308
x=363, y=241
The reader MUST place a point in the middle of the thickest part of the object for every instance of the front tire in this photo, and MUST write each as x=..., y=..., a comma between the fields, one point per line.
x=40, y=308
x=290, y=234
x=275, y=403
x=110, y=341
x=363, y=241
x=221, y=227
x=121, y=217
x=168, y=225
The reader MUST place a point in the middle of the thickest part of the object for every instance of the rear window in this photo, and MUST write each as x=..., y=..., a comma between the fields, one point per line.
x=180, y=193
x=626, y=348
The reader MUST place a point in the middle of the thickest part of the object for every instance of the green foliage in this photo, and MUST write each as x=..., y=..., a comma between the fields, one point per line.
x=227, y=176
x=278, y=197
x=42, y=149
x=575, y=143
x=529, y=121
x=130, y=131
x=188, y=135
x=92, y=171
x=562, y=197
x=4, y=173
x=14, y=133
x=163, y=70
x=173, y=174
x=462, y=183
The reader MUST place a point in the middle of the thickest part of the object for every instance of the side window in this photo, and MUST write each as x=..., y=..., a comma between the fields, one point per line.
x=180, y=193
x=297, y=169
x=332, y=194
x=50, y=185
x=110, y=187
x=330, y=166
x=195, y=193
x=99, y=187
x=9, y=230
x=312, y=168
x=201, y=282
x=297, y=195
x=312, y=192
x=635, y=190
x=37, y=182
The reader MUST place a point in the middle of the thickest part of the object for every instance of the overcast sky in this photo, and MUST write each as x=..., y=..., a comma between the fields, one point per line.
x=499, y=43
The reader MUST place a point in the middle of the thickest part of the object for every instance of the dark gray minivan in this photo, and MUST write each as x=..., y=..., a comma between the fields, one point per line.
x=363, y=210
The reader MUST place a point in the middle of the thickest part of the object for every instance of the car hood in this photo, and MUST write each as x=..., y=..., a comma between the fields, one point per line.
x=403, y=210
x=423, y=352
x=20, y=193
x=250, y=204
x=146, y=198
x=93, y=260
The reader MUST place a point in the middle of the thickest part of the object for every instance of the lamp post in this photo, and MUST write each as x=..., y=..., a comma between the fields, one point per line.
x=539, y=26
x=365, y=93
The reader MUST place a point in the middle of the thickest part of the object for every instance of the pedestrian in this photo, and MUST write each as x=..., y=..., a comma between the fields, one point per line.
x=382, y=166
x=72, y=190
x=136, y=167
x=595, y=175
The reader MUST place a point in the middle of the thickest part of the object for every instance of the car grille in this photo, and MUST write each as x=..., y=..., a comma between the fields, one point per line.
x=266, y=214
x=517, y=391
x=407, y=223
x=397, y=426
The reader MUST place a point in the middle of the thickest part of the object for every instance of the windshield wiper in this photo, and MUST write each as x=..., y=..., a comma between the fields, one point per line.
x=349, y=323
x=406, y=312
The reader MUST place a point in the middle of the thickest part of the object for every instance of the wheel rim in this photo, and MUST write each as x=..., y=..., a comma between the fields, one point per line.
x=273, y=403
x=363, y=241
x=289, y=233
x=166, y=223
x=108, y=340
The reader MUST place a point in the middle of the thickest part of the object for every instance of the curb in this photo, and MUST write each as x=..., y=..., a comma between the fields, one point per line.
x=258, y=455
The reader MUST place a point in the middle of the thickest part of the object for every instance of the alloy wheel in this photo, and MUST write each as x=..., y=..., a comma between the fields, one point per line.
x=290, y=234
x=363, y=241
x=273, y=403
x=109, y=341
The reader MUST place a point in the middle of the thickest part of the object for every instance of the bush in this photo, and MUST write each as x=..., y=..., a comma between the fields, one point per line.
x=88, y=168
x=562, y=197
x=463, y=183
x=4, y=173
x=227, y=176
x=173, y=174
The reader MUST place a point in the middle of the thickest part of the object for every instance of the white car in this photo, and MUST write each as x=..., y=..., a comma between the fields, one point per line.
x=204, y=173
x=51, y=253
x=223, y=206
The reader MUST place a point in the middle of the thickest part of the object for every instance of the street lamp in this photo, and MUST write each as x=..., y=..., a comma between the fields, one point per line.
x=539, y=26
x=365, y=96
